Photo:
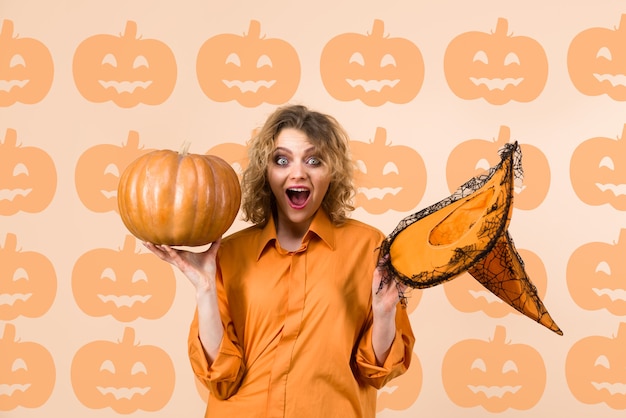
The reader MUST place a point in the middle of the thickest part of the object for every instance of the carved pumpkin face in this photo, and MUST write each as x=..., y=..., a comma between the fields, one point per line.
x=595, y=276
x=98, y=172
x=124, y=376
x=28, y=282
x=27, y=372
x=466, y=294
x=596, y=61
x=493, y=374
x=28, y=177
x=495, y=66
x=598, y=171
x=595, y=369
x=250, y=69
x=475, y=156
x=403, y=391
x=388, y=176
x=373, y=68
x=126, y=69
x=124, y=284
x=26, y=68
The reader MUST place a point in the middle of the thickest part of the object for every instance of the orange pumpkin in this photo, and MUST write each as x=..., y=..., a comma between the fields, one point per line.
x=466, y=294
x=595, y=276
x=495, y=375
x=124, y=376
x=177, y=198
x=387, y=176
x=27, y=279
x=595, y=369
x=98, y=170
x=250, y=69
x=373, y=68
x=402, y=392
x=124, y=284
x=598, y=171
x=595, y=61
x=476, y=156
x=495, y=66
x=27, y=372
x=28, y=177
x=25, y=66
x=127, y=69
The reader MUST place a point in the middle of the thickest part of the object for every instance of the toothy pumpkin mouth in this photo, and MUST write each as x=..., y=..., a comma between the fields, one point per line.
x=298, y=196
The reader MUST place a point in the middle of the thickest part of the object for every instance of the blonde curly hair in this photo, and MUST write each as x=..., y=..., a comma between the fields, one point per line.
x=332, y=144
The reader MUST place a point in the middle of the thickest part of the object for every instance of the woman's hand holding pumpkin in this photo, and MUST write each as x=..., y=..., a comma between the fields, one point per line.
x=198, y=267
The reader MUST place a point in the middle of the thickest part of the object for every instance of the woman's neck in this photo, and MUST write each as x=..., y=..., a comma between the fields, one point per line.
x=290, y=234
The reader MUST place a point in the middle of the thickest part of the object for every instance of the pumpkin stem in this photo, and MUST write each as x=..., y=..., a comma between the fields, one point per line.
x=504, y=135
x=184, y=149
x=499, y=334
x=380, y=136
x=10, y=242
x=9, y=332
x=7, y=28
x=502, y=26
x=254, y=30
x=131, y=29
x=622, y=22
x=132, y=141
x=129, y=244
x=378, y=28
x=10, y=138
x=129, y=336
x=624, y=129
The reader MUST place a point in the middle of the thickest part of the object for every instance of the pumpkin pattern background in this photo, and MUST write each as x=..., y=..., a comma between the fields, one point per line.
x=428, y=92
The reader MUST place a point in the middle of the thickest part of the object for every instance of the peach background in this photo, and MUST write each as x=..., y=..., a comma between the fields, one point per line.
x=65, y=125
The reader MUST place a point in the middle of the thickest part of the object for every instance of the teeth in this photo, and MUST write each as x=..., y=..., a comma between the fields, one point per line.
x=298, y=189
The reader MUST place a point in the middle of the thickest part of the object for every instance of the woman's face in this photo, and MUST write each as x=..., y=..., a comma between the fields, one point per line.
x=298, y=178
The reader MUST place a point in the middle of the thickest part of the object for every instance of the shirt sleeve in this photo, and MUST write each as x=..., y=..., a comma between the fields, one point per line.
x=223, y=376
x=399, y=357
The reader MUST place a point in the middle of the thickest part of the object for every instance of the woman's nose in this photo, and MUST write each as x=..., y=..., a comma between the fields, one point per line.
x=298, y=170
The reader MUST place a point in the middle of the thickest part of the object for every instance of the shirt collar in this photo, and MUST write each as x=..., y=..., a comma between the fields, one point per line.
x=321, y=226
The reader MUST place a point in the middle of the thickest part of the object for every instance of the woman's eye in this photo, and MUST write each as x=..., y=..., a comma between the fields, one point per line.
x=281, y=161
x=314, y=161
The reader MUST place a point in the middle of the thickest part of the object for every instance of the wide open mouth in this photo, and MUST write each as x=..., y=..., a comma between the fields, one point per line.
x=298, y=196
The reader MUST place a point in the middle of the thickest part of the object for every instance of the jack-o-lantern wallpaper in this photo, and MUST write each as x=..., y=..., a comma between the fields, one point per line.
x=94, y=325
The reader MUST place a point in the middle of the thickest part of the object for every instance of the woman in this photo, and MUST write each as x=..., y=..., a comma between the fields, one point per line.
x=293, y=317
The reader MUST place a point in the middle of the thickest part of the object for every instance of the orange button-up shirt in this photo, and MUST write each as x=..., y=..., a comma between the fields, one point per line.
x=298, y=326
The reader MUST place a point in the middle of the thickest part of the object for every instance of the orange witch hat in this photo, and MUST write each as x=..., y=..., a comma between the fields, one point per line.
x=467, y=231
